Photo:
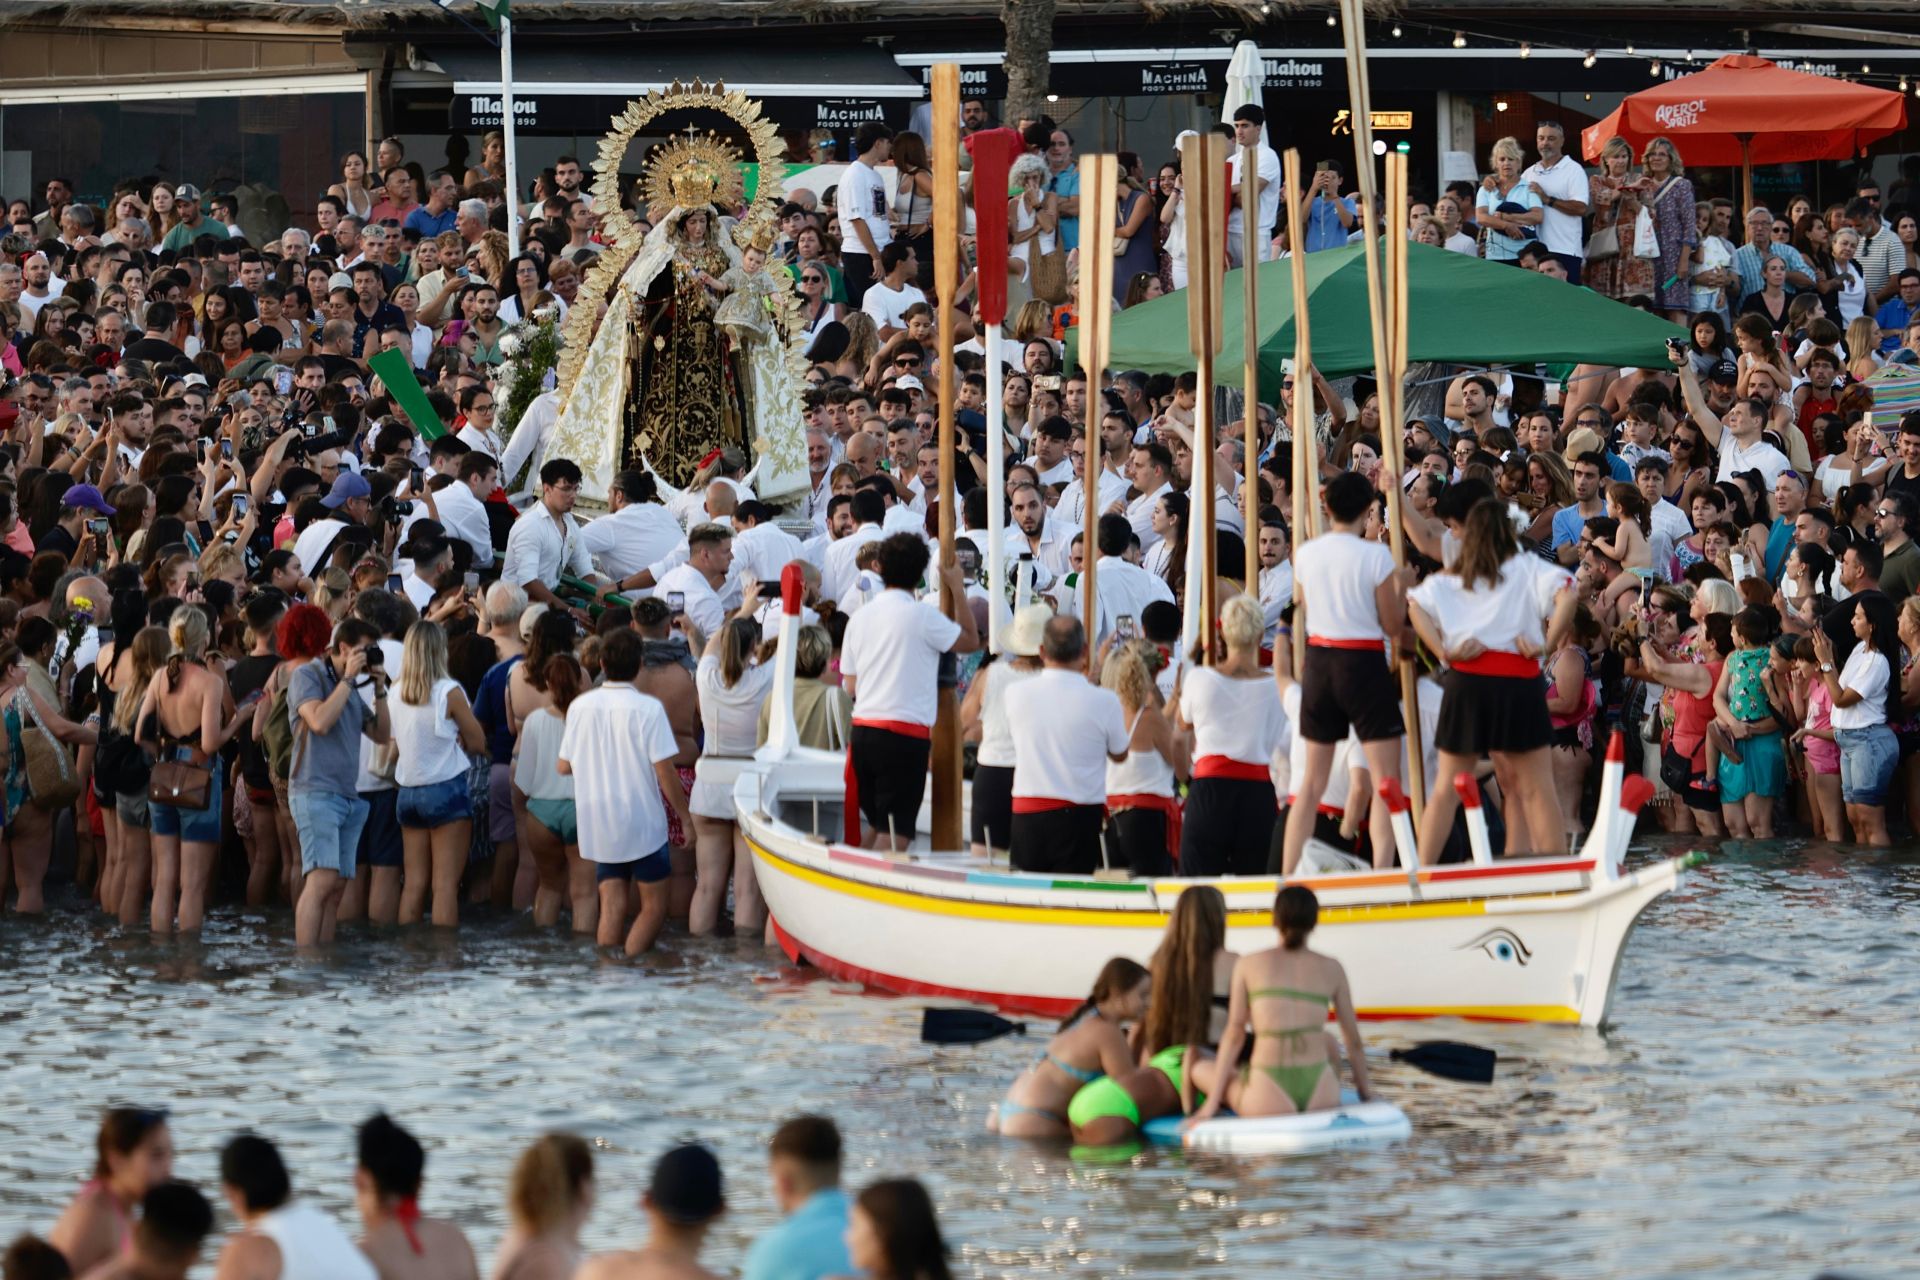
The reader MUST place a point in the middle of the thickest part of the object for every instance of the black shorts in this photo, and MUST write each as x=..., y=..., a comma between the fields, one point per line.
x=1065, y=840
x=1137, y=840
x=856, y=270
x=890, y=772
x=1684, y=780
x=1342, y=689
x=1227, y=829
x=652, y=869
x=1484, y=714
x=991, y=805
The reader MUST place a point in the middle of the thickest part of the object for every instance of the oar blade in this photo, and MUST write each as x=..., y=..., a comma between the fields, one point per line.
x=965, y=1026
x=1451, y=1060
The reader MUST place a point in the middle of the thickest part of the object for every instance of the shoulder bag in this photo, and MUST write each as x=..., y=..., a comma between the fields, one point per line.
x=52, y=781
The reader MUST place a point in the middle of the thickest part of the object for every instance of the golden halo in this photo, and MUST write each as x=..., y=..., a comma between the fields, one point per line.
x=691, y=158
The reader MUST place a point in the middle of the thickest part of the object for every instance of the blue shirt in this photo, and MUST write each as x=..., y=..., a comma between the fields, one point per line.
x=1066, y=185
x=430, y=224
x=1567, y=526
x=490, y=709
x=810, y=1244
x=1324, y=230
x=1894, y=315
x=1779, y=543
x=1748, y=261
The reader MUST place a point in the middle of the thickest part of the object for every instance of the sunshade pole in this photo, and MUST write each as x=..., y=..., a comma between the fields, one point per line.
x=1250, y=333
x=1098, y=184
x=1203, y=160
x=1746, y=174
x=1306, y=456
x=946, y=832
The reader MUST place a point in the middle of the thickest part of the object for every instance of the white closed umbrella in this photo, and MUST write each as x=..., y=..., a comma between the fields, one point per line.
x=1246, y=83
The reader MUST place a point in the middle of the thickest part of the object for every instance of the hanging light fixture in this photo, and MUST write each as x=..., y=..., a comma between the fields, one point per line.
x=1590, y=59
x=1653, y=68
x=1629, y=48
x=1903, y=84
x=1459, y=40
x=1396, y=31
x=1501, y=105
x=1526, y=49
x=1332, y=21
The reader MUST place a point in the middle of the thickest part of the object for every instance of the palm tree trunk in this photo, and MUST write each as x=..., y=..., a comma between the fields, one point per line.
x=1029, y=26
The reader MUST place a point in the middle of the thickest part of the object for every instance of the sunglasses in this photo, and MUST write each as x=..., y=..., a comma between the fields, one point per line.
x=813, y=280
x=907, y=362
x=1882, y=515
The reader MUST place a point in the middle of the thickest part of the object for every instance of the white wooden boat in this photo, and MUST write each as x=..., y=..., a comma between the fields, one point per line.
x=1521, y=940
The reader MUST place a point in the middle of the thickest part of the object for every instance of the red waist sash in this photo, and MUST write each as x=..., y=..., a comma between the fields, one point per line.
x=1228, y=767
x=1147, y=800
x=1369, y=646
x=1499, y=662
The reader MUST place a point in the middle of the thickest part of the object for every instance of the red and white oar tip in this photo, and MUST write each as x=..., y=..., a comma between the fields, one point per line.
x=793, y=587
x=1634, y=794
x=1468, y=789
x=1617, y=748
x=1394, y=796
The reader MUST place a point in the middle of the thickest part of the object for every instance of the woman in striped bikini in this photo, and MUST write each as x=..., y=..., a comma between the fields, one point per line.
x=1284, y=995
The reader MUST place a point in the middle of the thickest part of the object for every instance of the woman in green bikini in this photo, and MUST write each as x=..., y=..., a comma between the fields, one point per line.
x=1284, y=994
x=1091, y=1045
x=1190, y=974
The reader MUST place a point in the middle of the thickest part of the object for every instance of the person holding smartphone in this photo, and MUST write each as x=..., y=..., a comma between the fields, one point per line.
x=70, y=535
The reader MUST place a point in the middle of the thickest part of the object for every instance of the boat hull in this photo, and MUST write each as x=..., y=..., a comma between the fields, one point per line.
x=1538, y=940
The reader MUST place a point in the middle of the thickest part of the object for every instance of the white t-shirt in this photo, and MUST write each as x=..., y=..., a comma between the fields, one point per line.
x=863, y=195
x=614, y=737
x=837, y=568
x=1140, y=516
x=1336, y=574
x=892, y=651
x=427, y=738
x=628, y=540
x=730, y=718
x=1498, y=615
x=1758, y=456
x=996, y=738
x=888, y=307
x=1240, y=719
x=1064, y=730
x=1868, y=675
x=534, y=754
x=703, y=603
x=1565, y=181
x=763, y=551
x=1269, y=164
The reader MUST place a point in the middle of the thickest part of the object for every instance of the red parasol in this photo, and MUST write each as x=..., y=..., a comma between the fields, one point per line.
x=1746, y=111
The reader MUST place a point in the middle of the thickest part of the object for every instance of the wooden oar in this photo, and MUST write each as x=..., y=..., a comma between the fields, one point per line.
x=1203, y=162
x=1449, y=1059
x=1099, y=176
x=947, y=781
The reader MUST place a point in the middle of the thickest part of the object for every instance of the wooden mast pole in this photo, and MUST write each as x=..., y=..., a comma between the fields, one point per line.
x=1099, y=176
x=1306, y=459
x=1394, y=445
x=1203, y=162
x=946, y=278
x=1353, y=23
x=1251, y=240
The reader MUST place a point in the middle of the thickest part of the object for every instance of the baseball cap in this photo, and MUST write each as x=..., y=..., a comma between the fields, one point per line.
x=186, y=191
x=910, y=383
x=1725, y=371
x=346, y=487
x=194, y=380
x=686, y=1186
x=86, y=495
x=339, y=280
x=1581, y=440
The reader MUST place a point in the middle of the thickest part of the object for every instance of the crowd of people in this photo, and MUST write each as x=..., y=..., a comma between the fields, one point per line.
x=133, y=1219
x=270, y=640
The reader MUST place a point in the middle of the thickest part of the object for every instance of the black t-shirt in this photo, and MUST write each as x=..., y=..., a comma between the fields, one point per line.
x=249, y=674
x=57, y=539
x=153, y=351
x=1897, y=481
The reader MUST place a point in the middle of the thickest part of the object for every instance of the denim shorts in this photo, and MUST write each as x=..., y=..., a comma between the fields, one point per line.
x=1868, y=761
x=436, y=804
x=380, y=837
x=329, y=825
x=192, y=826
x=652, y=869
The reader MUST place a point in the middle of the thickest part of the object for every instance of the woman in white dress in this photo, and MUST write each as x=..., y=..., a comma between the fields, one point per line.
x=731, y=685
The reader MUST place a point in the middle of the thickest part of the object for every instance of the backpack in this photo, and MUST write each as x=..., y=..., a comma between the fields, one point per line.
x=276, y=739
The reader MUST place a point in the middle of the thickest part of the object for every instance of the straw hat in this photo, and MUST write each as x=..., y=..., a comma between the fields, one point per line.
x=1028, y=628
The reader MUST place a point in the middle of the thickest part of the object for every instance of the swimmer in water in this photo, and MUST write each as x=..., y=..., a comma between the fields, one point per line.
x=175, y=1221
x=135, y=1155
x=1089, y=1045
x=1284, y=993
x=400, y=1243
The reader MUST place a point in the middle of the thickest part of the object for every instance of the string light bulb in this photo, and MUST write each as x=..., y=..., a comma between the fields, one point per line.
x=1332, y=21
x=1459, y=40
x=1903, y=84
x=1653, y=68
x=1526, y=49
x=1396, y=31
x=1590, y=59
x=1866, y=68
x=1501, y=105
x=1629, y=48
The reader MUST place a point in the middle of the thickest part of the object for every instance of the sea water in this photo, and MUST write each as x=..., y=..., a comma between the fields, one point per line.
x=1749, y=1111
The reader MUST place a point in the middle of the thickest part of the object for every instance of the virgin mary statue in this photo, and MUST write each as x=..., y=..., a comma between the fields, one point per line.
x=665, y=380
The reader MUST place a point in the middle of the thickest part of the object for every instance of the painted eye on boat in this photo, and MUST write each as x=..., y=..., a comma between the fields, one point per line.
x=1502, y=945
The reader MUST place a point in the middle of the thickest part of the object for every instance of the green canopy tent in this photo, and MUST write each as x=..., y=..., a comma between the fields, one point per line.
x=1460, y=310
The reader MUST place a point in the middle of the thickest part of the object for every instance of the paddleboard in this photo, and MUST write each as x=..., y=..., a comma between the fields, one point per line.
x=1351, y=1125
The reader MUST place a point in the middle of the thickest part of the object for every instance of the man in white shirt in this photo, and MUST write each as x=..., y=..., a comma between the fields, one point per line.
x=619, y=749
x=819, y=468
x=1249, y=124
x=42, y=286
x=432, y=565
x=1065, y=729
x=761, y=548
x=865, y=226
x=1051, y=439
x=1121, y=588
x=698, y=582
x=1116, y=446
x=1561, y=184
x=1031, y=533
x=350, y=498
x=888, y=298
x=889, y=663
x=1735, y=433
x=635, y=535
x=1152, y=467
x=1276, y=576
x=546, y=541
x=461, y=507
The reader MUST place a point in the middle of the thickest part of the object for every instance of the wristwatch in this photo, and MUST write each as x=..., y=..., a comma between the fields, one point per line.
x=1826, y=668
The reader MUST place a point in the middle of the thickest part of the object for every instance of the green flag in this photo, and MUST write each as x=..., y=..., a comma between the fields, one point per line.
x=493, y=11
x=396, y=374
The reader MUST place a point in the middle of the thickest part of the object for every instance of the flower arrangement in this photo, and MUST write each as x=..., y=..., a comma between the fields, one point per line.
x=532, y=353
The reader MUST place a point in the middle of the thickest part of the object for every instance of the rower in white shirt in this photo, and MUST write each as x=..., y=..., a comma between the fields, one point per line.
x=761, y=547
x=700, y=581
x=1065, y=730
x=837, y=569
x=1121, y=589
x=1276, y=576
x=1032, y=533
x=461, y=507
x=635, y=535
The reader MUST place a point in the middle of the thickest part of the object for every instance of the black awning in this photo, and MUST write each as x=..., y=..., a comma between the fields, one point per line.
x=568, y=88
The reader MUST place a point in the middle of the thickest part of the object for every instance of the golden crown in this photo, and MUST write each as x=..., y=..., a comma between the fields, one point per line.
x=692, y=171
